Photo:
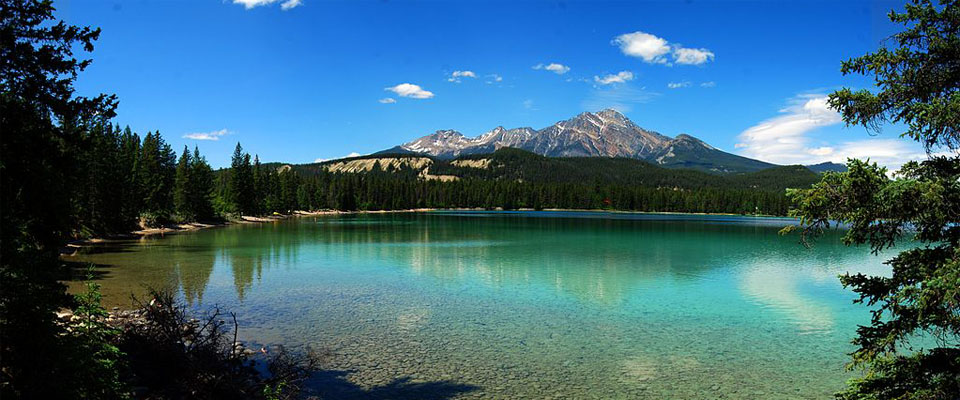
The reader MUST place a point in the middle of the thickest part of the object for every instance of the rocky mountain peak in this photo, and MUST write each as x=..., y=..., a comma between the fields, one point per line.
x=612, y=114
x=446, y=133
x=606, y=133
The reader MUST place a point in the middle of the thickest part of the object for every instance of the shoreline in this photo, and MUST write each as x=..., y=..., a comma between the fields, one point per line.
x=71, y=247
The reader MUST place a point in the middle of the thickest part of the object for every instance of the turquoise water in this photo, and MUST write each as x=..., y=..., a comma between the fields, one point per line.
x=528, y=304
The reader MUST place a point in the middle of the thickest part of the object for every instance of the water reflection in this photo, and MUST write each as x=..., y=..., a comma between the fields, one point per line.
x=648, y=307
x=601, y=261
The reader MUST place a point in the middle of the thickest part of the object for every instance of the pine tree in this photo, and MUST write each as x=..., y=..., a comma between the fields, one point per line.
x=42, y=123
x=918, y=88
x=128, y=164
x=241, y=182
x=182, y=199
x=201, y=187
x=157, y=172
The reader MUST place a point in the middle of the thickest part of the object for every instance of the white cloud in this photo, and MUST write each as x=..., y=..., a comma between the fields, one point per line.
x=678, y=85
x=214, y=135
x=890, y=152
x=786, y=139
x=290, y=4
x=650, y=48
x=387, y=100
x=456, y=75
x=822, y=151
x=351, y=155
x=558, y=69
x=410, y=90
x=286, y=5
x=494, y=78
x=528, y=104
x=783, y=139
x=709, y=84
x=619, y=77
x=655, y=50
x=691, y=56
x=248, y=4
x=618, y=97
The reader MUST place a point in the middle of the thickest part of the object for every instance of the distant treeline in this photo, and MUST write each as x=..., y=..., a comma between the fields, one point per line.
x=126, y=180
x=518, y=179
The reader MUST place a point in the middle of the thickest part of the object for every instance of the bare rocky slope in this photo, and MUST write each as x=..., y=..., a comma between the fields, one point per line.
x=607, y=133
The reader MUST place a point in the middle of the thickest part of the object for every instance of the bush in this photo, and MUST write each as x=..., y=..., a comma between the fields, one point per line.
x=97, y=360
x=172, y=355
x=153, y=220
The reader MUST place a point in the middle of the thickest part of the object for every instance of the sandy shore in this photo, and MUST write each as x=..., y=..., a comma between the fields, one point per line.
x=71, y=247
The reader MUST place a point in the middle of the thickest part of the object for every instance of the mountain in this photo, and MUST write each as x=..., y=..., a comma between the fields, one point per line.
x=827, y=166
x=607, y=133
x=514, y=165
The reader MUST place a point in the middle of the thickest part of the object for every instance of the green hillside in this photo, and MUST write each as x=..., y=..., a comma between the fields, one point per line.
x=514, y=164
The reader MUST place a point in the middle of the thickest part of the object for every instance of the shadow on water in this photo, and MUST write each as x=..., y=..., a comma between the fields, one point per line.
x=77, y=271
x=332, y=384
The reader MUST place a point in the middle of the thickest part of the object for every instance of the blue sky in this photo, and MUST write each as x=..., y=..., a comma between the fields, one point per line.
x=296, y=81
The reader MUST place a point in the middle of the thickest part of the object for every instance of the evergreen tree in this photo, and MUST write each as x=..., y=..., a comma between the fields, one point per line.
x=157, y=172
x=260, y=187
x=919, y=87
x=201, y=187
x=42, y=125
x=182, y=199
x=241, y=182
x=128, y=164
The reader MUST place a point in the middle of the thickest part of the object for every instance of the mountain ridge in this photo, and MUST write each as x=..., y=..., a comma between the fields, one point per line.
x=606, y=133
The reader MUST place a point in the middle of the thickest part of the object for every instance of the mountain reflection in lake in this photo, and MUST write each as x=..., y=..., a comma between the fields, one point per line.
x=527, y=304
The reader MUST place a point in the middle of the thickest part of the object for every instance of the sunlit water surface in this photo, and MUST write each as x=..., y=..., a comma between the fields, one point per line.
x=535, y=305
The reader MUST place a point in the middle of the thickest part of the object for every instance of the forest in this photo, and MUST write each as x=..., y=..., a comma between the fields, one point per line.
x=126, y=181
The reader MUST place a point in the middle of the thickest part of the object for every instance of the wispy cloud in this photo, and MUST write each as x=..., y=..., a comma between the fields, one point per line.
x=494, y=78
x=691, y=56
x=290, y=4
x=783, y=139
x=387, y=100
x=351, y=155
x=457, y=75
x=686, y=84
x=285, y=5
x=213, y=135
x=787, y=138
x=653, y=49
x=556, y=68
x=410, y=90
x=618, y=97
x=619, y=77
x=529, y=105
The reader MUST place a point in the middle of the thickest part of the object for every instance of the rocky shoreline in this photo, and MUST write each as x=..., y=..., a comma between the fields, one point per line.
x=73, y=246
x=124, y=319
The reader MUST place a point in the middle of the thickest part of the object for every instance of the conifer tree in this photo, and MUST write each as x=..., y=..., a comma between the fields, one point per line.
x=202, y=186
x=241, y=182
x=918, y=87
x=182, y=199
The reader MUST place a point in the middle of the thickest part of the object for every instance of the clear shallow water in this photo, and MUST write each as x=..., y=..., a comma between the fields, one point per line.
x=507, y=305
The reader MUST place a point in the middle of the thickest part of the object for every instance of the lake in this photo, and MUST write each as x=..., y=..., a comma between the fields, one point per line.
x=524, y=304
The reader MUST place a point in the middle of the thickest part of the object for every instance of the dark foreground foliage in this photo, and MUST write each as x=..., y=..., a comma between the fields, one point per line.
x=65, y=171
x=40, y=119
x=172, y=355
x=911, y=348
